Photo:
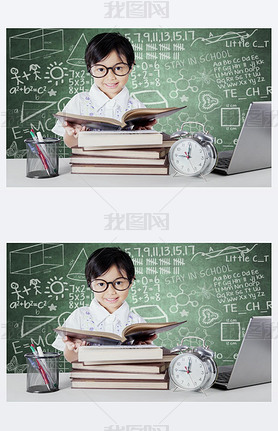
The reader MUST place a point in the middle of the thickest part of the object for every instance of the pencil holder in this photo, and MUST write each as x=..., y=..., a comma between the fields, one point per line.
x=42, y=372
x=42, y=158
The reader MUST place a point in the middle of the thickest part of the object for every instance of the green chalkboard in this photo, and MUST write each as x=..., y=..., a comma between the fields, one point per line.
x=216, y=287
x=215, y=72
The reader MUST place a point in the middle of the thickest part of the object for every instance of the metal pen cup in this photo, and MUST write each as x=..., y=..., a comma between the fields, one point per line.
x=42, y=372
x=42, y=158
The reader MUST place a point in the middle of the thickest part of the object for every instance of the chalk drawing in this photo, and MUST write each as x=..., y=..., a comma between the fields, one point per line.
x=209, y=316
x=13, y=151
x=76, y=57
x=52, y=92
x=208, y=101
x=34, y=108
x=151, y=98
x=197, y=118
x=182, y=84
x=63, y=317
x=33, y=323
x=182, y=299
x=230, y=331
x=55, y=73
x=56, y=288
x=36, y=43
x=205, y=292
x=242, y=35
x=166, y=124
x=77, y=269
x=150, y=313
x=211, y=254
x=178, y=47
x=196, y=333
x=14, y=366
x=230, y=117
x=170, y=339
x=62, y=103
x=205, y=77
x=36, y=258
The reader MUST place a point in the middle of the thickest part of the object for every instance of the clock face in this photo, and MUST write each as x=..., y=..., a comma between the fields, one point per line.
x=188, y=157
x=188, y=372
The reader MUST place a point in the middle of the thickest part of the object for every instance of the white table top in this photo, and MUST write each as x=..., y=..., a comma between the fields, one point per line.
x=16, y=177
x=16, y=391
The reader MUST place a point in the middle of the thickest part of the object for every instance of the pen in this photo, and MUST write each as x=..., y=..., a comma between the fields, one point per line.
x=43, y=159
x=32, y=347
x=40, y=367
x=40, y=138
x=35, y=139
x=45, y=367
x=32, y=133
x=44, y=151
x=40, y=352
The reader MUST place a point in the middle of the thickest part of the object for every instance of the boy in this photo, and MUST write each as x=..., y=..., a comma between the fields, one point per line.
x=109, y=273
x=109, y=58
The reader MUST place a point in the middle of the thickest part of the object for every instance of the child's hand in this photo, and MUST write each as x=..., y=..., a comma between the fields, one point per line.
x=148, y=340
x=73, y=344
x=73, y=129
x=147, y=126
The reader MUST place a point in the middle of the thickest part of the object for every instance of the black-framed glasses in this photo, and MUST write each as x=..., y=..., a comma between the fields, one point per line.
x=119, y=69
x=120, y=283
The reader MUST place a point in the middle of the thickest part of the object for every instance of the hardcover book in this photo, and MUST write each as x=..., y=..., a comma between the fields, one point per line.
x=134, y=332
x=134, y=117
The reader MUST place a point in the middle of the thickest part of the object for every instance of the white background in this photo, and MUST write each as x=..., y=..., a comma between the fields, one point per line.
x=196, y=215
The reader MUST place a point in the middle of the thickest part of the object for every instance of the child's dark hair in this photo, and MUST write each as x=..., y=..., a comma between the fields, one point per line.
x=102, y=44
x=102, y=259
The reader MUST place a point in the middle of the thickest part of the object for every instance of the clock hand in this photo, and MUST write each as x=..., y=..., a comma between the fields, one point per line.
x=189, y=150
x=192, y=380
x=186, y=370
x=189, y=365
x=191, y=165
x=186, y=155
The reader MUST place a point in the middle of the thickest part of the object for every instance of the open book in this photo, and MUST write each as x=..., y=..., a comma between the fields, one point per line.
x=137, y=331
x=134, y=117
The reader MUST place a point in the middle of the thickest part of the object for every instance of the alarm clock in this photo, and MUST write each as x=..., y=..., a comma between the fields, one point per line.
x=193, y=369
x=194, y=154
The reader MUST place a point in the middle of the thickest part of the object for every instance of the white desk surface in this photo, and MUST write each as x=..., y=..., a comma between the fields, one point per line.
x=16, y=177
x=16, y=391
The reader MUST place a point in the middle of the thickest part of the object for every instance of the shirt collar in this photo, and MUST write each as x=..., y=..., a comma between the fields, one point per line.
x=100, y=99
x=100, y=313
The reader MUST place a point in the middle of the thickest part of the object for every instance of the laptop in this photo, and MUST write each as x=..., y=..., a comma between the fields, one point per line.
x=253, y=148
x=253, y=363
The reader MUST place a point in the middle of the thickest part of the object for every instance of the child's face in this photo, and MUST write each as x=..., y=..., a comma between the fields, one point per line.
x=111, y=84
x=111, y=299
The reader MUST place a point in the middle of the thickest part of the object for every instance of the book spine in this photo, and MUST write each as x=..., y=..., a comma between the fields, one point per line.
x=110, y=375
x=103, y=384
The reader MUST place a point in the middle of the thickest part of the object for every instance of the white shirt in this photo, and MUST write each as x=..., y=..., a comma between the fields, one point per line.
x=95, y=103
x=97, y=318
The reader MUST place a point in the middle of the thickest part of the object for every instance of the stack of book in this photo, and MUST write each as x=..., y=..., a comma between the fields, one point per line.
x=113, y=149
x=121, y=367
x=114, y=364
x=121, y=152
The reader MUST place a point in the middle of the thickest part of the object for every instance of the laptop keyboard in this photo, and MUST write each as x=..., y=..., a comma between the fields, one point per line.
x=223, y=163
x=224, y=158
x=223, y=377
